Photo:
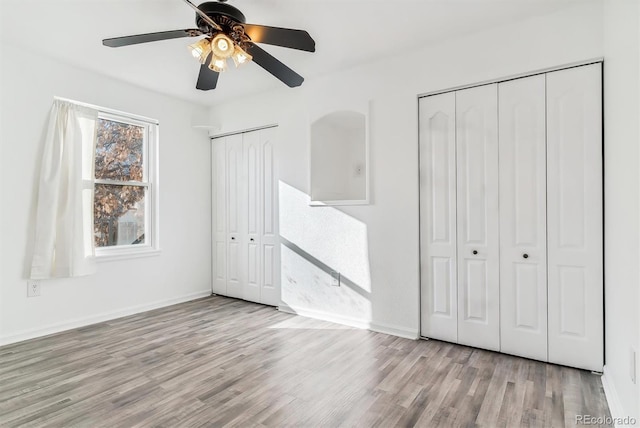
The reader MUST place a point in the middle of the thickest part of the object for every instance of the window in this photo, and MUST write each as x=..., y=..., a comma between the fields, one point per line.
x=125, y=200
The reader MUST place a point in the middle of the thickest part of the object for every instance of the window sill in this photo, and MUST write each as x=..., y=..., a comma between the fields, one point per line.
x=127, y=254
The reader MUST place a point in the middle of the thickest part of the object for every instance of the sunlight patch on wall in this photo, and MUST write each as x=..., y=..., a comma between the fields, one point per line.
x=315, y=242
x=326, y=233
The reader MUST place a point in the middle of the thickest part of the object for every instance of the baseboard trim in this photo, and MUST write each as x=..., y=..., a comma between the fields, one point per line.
x=610, y=393
x=106, y=316
x=392, y=330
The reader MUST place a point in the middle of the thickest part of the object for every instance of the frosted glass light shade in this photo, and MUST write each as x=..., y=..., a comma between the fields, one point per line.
x=201, y=50
x=240, y=56
x=218, y=64
x=222, y=46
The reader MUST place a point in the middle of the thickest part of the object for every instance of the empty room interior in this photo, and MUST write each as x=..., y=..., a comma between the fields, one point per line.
x=319, y=213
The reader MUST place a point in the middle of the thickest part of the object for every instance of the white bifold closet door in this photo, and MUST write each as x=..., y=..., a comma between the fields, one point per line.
x=439, y=301
x=523, y=237
x=244, y=217
x=575, y=221
x=478, y=221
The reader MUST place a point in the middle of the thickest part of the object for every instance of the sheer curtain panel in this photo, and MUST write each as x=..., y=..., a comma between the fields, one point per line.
x=64, y=218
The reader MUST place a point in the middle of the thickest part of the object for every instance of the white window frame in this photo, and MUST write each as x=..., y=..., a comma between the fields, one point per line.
x=151, y=245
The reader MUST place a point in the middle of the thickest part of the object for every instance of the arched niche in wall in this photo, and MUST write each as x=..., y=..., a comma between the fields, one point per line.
x=339, y=154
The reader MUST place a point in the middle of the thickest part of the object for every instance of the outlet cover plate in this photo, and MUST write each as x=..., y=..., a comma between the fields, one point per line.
x=33, y=288
x=632, y=365
x=335, y=279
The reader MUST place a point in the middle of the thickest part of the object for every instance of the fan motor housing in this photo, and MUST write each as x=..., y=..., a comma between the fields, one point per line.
x=215, y=9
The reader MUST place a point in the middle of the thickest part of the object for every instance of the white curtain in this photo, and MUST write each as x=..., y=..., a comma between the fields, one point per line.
x=64, y=218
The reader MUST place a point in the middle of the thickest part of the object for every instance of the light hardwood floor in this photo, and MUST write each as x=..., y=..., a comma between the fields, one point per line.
x=219, y=361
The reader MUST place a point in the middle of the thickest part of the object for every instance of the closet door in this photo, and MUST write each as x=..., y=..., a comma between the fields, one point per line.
x=219, y=214
x=523, y=249
x=439, y=314
x=245, y=221
x=477, y=219
x=236, y=263
x=250, y=229
x=575, y=223
x=268, y=220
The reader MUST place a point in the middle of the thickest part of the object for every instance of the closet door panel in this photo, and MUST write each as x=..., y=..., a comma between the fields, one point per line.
x=219, y=211
x=523, y=253
x=236, y=266
x=270, y=285
x=438, y=217
x=575, y=223
x=477, y=217
x=245, y=249
x=251, y=227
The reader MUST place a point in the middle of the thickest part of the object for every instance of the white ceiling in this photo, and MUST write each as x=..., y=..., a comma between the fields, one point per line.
x=347, y=33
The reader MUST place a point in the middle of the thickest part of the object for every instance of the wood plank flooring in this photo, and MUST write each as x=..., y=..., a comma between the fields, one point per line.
x=224, y=362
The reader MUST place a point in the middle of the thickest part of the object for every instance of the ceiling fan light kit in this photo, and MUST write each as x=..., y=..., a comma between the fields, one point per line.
x=227, y=35
x=201, y=50
x=240, y=57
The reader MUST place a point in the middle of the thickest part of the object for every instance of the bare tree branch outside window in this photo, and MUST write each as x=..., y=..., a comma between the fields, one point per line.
x=119, y=213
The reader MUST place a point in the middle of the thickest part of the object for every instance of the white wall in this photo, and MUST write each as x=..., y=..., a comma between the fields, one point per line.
x=383, y=236
x=181, y=271
x=622, y=187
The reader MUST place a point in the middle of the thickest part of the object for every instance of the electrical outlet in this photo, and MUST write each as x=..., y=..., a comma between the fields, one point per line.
x=33, y=288
x=335, y=278
x=632, y=365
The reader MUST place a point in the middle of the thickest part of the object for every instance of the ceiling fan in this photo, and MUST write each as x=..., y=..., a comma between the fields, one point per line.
x=227, y=35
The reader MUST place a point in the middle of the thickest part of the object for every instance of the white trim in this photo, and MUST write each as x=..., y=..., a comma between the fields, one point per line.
x=615, y=406
x=109, y=110
x=122, y=183
x=325, y=316
x=351, y=322
x=395, y=330
x=244, y=131
x=150, y=183
x=339, y=202
x=367, y=162
x=106, y=316
x=513, y=76
x=127, y=253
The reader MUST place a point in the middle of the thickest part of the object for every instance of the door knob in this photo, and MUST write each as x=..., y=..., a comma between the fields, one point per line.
x=233, y=238
x=526, y=256
x=251, y=239
x=475, y=251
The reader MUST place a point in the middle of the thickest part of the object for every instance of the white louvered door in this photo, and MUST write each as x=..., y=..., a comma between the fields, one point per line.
x=439, y=317
x=523, y=249
x=245, y=256
x=575, y=223
x=477, y=218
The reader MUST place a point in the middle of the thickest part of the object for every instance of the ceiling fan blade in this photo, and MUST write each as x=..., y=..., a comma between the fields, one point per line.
x=207, y=79
x=117, y=42
x=274, y=66
x=285, y=37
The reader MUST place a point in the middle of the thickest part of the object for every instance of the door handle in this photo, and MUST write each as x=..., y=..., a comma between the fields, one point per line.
x=526, y=256
x=251, y=239
x=475, y=252
x=233, y=238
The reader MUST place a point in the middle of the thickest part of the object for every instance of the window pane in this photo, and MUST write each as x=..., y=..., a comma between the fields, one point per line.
x=119, y=215
x=119, y=151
